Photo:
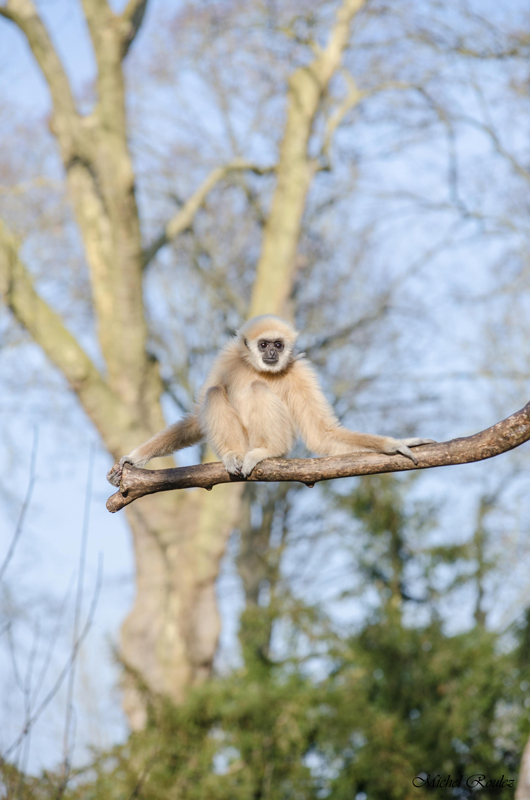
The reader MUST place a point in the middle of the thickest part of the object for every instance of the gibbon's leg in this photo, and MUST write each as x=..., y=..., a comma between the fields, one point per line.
x=270, y=430
x=321, y=430
x=343, y=442
x=223, y=429
x=177, y=436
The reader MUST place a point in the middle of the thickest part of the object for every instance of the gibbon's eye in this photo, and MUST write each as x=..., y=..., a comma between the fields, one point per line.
x=263, y=345
x=278, y=345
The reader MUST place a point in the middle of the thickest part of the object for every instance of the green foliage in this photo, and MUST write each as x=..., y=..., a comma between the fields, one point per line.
x=14, y=784
x=233, y=738
x=415, y=701
x=358, y=717
x=395, y=702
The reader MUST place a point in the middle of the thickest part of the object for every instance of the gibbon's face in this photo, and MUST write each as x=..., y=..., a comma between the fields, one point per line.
x=270, y=353
x=268, y=343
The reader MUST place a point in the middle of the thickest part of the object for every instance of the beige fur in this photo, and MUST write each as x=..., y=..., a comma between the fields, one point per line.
x=250, y=409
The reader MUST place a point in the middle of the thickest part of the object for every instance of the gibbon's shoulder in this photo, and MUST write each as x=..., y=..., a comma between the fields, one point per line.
x=302, y=369
x=231, y=350
x=231, y=360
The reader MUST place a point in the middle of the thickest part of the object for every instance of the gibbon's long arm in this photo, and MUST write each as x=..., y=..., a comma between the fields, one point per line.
x=320, y=429
x=181, y=434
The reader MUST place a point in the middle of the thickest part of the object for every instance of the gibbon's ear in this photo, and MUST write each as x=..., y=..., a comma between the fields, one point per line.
x=246, y=344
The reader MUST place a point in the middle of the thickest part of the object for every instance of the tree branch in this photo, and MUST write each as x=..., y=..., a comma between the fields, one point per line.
x=107, y=35
x=48, y=330
x=308, y=84
x=132, y=19
x=327, y=62
x=24, y=14
x=500, y=438
x=183, y=218
x=352, y=98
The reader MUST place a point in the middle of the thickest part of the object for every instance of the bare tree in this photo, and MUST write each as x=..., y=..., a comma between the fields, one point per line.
x=170, y=637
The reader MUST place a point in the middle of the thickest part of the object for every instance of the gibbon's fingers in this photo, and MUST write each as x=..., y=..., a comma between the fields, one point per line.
x=233, y=463
x=114, y=475
x=402, y=446
x=404, y=450
x=415, y=442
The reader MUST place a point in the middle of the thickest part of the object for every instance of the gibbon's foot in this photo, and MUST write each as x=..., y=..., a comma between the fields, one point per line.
x=233, y=463
x=402, y=446
x=252, y=459
x=114, y=475
x=418, y=442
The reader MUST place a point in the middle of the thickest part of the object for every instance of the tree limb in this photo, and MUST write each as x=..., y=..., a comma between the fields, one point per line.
x=308, y=84
x=132, y=19
x=49, y=331
x=24, y=14
x=107, y=33
x=183, y=218
x=352, y=98
x=500, y=438
x=326, y=63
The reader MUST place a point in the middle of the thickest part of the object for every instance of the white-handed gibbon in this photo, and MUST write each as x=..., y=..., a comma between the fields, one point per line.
x=256, y=399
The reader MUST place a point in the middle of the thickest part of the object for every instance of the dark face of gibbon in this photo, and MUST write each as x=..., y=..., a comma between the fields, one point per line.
x=271, y=350
x=267, y=343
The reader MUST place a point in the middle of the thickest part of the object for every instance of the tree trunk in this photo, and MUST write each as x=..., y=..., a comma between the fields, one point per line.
x=170, y=637
x=523, y=784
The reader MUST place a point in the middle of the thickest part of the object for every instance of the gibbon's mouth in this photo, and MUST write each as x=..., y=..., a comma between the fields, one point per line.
x=270, y=361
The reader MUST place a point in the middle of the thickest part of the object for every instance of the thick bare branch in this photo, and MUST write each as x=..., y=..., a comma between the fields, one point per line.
x=329, y=59
x=107, y=28
x=307, y=86
x=504, y=436
x=132, y=19
x=66, y=119
x=107, y=39
x=183, y=218
x=98, y=14
x=49, y=332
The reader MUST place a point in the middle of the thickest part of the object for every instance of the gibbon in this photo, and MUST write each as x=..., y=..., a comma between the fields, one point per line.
x=258, y=396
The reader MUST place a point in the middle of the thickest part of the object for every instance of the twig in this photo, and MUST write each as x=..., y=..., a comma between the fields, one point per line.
x=67, y=741
x=25, y=504
x=64, y=672
x=184, y=217
x=500, y=438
